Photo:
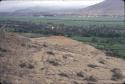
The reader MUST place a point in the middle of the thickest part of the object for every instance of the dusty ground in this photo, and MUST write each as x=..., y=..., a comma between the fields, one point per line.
x=55, y=60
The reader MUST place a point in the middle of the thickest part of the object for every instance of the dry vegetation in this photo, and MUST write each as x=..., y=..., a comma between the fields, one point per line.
x=55, y=60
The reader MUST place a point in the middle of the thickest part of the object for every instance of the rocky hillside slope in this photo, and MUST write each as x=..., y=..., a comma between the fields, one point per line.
x=105, y=8
x=55, y=60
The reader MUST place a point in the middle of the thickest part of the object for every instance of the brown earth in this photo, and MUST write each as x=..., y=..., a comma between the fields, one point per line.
x=55, y=60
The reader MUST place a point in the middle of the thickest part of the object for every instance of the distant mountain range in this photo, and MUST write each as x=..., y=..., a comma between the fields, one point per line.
x=105, y=8
x=37, y=11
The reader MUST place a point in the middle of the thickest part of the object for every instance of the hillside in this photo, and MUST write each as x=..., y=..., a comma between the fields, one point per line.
x=55, y=60
x=107, y=7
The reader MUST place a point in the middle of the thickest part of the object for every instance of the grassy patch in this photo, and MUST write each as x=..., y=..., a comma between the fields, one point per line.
x=69, y=20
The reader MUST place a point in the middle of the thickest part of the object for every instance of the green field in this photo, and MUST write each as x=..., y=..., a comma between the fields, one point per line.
x=112, y=45
x=70, y=20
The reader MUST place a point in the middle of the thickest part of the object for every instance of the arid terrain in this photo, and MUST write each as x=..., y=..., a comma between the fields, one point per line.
x=55, y=60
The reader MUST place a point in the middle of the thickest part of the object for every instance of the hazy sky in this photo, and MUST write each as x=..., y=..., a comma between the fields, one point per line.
x=14, y=5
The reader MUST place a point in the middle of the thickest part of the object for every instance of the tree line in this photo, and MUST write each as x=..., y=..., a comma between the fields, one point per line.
x=61, y=29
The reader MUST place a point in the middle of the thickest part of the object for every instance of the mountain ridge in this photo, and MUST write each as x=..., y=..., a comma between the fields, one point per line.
x=105, y=8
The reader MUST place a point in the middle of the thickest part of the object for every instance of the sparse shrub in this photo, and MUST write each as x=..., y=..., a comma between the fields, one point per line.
x=54, y=62
x=123, y=83
x=44, y=45
x=42, y=68
x=63, y=74
x=3, y=50
x=67, y=55
x=1, y=55
x=30, y=66
x=90, y=83
x=92, y=65
x=75, y=82
x=117, y=74
x=23, y=44
x=102, y=61
x=50, y=53
x=109, y=53
x=31, y=46
x=5, y=82
x=26, y=65
x=80, y=74
x=22, y=65
x=91, y=78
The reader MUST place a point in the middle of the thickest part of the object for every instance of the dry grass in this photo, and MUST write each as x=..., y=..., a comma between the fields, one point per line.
x=56, y=60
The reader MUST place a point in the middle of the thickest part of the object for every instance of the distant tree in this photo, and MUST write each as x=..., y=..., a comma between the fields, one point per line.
x=94, y=40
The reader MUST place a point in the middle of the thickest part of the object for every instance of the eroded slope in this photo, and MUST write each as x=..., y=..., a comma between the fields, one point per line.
x=55, y=60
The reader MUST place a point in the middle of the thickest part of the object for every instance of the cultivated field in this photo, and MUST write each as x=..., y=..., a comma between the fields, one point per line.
x=105, y=33
x=70, y=20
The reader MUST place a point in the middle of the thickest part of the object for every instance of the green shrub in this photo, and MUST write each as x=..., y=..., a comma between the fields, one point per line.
x=3, y=50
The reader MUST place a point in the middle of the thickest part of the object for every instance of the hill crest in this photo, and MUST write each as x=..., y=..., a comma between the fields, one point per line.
x=57, y=60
